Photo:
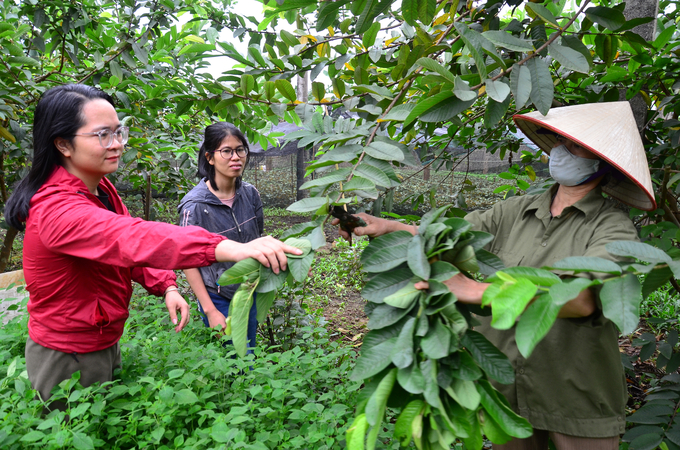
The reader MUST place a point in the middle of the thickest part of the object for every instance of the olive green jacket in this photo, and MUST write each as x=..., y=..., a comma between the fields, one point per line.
x=573, y=383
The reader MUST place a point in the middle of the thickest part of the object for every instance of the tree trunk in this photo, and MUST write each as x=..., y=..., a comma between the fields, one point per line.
x=302, y=95
x=12, y=232
x=147, y=198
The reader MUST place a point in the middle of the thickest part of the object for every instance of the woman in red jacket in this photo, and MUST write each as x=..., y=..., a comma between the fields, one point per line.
x=82, y=249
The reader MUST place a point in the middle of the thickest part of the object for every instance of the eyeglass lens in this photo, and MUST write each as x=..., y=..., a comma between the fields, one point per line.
x=228, y=153
x=106, y=136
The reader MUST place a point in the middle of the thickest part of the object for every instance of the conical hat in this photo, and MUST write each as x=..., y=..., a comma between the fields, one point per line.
x=609, y=131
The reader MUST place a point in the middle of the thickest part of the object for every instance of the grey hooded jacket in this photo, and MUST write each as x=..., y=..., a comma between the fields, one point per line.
x=242, y=223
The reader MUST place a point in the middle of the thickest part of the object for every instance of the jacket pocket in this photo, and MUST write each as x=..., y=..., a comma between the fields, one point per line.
x=101, y=317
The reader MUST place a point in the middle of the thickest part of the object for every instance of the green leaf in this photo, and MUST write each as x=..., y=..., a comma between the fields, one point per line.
x=649, y=441
x=655, y=279
x=373, y=360
x=539, y=277
x=356, y=433
x=542, y=88
x=33, y=436
x=374, y=174
x=311, y=204
x=507, y=40
x=542, y=12
x=386, y=252
x=535, y=323
x=509, y=302
x=562, y=293
x=488, y=357
x=446, y=110
x=386, y=283
x=425, y=105
x=462, y=90
x=239, y=272
x=116, y=71
x=568, y=58
x=368, y=40
x=621, y=298
x=473, y=42
x=433, y=66
x=358, y=184
x=403, y=428
x=465, y=393
x=609, y=18
x=335, y=177
x=505, y=417
x=318, y=90
x=404, y=297
x=186, y=397
x=269, y=281
x=375, y=408
x=289, y=38
x=520, y=84
x=398, y=113
x=442, y=271
x=24, y=61
x=81, y=441
x=285, y=88
x=299, y=268
x=638, y=250
x=303, y=244
x=402, y=354
x=663, y=37
x=344, y=153
x=411, y=379
x=586, y=264
x=436, y=342
x=264, y=302
x=409, y=10
x=497, y=90
x=416, y=258
x=239, y=310
x=384, y=316
x=426, y=10
x=384, y=151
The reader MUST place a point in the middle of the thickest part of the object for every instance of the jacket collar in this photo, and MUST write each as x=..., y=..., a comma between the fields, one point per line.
x=204, y=194
x=589, y=205
x=61, y=180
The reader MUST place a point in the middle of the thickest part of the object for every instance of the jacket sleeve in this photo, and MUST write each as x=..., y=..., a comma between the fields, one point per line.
x=259, y=214
x=73, y=225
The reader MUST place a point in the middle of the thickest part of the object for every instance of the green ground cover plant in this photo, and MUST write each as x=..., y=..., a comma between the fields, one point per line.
x=186, y=390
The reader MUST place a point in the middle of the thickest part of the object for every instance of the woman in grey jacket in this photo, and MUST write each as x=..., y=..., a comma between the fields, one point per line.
x=223, y=204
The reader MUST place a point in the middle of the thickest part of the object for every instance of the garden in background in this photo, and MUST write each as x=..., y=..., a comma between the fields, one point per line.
x=388, y=100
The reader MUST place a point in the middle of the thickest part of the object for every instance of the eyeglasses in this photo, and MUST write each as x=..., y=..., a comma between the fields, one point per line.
x=106, y=136
x=228, y=153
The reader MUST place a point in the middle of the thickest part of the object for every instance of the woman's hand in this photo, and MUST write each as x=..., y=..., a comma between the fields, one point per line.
x=376, y=226
x=267, y=250
x=215, y=318
x=175, y=302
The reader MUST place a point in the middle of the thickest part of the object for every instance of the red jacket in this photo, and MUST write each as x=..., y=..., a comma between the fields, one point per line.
x=80, y=258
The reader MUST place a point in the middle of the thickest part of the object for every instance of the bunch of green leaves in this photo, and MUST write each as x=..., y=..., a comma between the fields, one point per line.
x=255, y=277
x=421, y=354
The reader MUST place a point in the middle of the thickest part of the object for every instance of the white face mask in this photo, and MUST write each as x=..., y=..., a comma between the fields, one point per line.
x=568, y=169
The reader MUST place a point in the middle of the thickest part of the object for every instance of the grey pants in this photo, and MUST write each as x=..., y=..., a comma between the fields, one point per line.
x=539, y=441
x=47, y=368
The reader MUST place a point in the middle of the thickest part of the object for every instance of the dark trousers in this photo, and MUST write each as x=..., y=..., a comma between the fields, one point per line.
x=222, y=305
x=539, y=441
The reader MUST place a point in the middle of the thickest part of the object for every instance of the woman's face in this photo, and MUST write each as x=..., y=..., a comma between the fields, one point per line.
x=227, y=163
x=84, y=156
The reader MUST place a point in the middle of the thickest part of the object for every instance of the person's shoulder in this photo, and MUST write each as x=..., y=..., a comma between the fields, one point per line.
x=194, y=196
x=249, y=188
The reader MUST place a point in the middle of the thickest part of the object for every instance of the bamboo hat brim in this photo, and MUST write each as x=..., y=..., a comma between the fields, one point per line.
x=609, y=131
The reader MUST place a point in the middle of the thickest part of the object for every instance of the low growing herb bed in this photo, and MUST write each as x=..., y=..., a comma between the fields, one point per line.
x=185, y=390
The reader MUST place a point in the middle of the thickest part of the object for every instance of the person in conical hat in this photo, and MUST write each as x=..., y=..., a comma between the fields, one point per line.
x=572, y=388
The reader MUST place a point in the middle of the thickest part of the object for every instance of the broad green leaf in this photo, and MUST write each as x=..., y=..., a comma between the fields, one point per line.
x=404, y=297
x=377, y=91
x=432, y=65
x=339, y=154
x=462, y=90
x=285, y=88
x=301, y=228
x=403, y=428
x=375, y=408
x=505, y=417
x=663, y=37
x=539, y=277
x=264, y=302
x=186, y=397
x=570, y=59
x=562, y=293
x=402, y=353
x=488, y=357
x=609, y=18
x=621, y=298
x=416, y=258
x=488, y=262
x=426, y=104
x=497, y=90
x=82, y=441
x=446, y=110
x=270, y=281
x=398, y=113
x=299, y=268
x=33, y=436
x=239, y=272
x=311, y=204
x=318, y=90
x=302, y=244
x=655, y=279
x=520, y=84
x=356, y=433
x=239, y=310
x=386, y=252
x=24, y=61
x=542, y=12
x=465, y=393
x=358, y=184
x=386, y=283
x=535, y=323
x=510, y=302
x=384, y=316
x=426, y=10
x=334, y=177
x=474, y=45
x=436, y=342
x=374, y=174
x=373, y=360
x=116, y=71
x=507, y=40
x=649, y=441
x=368, y=39
x=542, y=88
x=411, y=379
x=638, y=250
x=289, y=38
x=384, y=151
x=586, y=264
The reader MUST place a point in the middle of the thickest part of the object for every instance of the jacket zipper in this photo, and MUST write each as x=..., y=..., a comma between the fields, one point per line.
x=238, y=227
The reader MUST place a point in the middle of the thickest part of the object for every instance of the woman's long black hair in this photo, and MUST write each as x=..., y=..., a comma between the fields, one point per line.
x=214, y=135
x=57, y=115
